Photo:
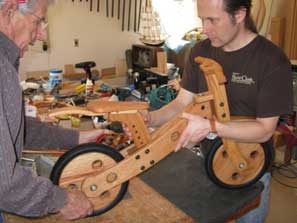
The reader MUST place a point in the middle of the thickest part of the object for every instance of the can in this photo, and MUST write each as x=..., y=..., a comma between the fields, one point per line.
x=55, y=77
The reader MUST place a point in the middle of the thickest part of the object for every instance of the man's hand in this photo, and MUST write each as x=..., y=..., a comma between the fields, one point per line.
x=77, y=206
x=86, y=136
x=196, y=130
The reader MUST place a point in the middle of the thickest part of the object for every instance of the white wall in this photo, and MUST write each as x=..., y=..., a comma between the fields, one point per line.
x=100, y=38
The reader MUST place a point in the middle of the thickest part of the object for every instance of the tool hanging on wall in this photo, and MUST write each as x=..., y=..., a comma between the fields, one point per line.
x=135, y=15
x=112, y=11
x=119, y=9
x=139, y=14
x=112, y=8
x=129, y=15
x=107, y=10
x=123, y=21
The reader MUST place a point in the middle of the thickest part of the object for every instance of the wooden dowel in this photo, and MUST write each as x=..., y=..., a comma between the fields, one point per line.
x=54, y=152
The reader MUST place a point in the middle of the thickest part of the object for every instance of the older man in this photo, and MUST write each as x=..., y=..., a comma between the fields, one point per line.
x=22, y=193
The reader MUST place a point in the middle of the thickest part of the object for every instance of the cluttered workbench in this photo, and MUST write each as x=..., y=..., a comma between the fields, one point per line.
x=195, y=198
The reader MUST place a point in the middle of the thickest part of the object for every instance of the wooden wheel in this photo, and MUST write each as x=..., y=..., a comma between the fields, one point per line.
x=221, y=171
x=84, y=161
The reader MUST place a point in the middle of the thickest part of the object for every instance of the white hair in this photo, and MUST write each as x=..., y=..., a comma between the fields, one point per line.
x=28, y=7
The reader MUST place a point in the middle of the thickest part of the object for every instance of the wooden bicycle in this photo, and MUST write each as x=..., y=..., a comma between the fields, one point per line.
x=103, y=173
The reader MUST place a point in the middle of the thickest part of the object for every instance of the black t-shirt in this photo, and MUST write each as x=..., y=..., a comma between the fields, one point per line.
x=259, y=77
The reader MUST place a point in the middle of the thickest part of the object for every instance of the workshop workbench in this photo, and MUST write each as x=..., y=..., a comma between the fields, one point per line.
x=141, y=205
x=176, y=190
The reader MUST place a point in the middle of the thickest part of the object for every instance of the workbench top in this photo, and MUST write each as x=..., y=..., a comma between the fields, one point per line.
x=141, y=205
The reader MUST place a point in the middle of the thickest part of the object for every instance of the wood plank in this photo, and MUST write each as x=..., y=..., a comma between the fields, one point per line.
x=121, y=67
x=143, y=205
x=277, y=31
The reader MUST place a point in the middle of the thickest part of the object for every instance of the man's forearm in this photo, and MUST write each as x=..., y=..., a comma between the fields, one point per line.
x=258, y=131
x=164, y=114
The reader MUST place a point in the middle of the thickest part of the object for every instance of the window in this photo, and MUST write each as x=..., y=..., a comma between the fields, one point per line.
x=177, y=16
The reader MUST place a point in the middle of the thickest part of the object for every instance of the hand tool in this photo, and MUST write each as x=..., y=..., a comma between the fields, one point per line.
x=98, y=5
x=139, y=14
x=112, y=8
x=91, y=5
x=119, y=9
x=123, y=22
x=129, y=15
x=135, y=15
x=107, y=9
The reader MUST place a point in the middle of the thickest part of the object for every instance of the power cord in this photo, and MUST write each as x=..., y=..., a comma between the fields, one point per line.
x=288, y=171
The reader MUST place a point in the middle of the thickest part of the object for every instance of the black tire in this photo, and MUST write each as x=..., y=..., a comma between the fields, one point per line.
x=211, y=147
x=83, y=149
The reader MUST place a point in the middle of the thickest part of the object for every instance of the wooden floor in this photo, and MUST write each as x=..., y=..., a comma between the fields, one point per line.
x=135, y=208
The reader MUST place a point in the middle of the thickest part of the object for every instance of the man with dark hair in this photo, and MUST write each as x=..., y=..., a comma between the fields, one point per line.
x=21, y=192
x=258, y=76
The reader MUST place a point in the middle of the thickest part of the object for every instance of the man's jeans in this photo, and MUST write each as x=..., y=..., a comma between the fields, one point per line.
x=259, y=214
x=1, y=219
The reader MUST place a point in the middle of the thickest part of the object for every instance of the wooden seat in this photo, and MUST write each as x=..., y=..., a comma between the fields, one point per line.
x=115, y=106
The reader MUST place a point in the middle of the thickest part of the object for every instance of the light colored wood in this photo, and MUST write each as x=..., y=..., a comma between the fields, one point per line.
x=258, y=13
x=134, y=122
x=229, y=174
x=162, y=62
x=213, y=72
x=114, y=106
x=74, y=75
x=121, y=67
x=210, y=67
x=53, y=152
x=138, y=162
x=277, y=31
x=291, y=31
x=143, y=205
x=73, y=110
x=107, y=72
x=69, y=69
x=37, y=74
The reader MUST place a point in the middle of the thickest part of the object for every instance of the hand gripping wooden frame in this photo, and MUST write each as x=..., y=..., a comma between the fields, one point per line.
x=103, y=173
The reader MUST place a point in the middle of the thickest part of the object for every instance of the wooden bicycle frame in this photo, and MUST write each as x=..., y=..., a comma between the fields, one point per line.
x=149, y=149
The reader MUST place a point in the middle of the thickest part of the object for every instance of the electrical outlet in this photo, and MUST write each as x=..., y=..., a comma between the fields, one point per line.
x=76, y=42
